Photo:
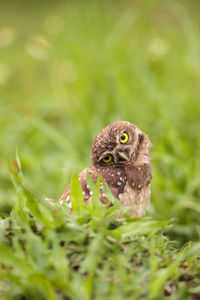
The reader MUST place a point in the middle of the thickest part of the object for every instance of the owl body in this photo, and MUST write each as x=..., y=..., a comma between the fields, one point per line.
x=120, y=155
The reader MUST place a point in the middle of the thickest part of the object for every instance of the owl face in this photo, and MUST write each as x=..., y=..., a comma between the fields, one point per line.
x=116, y=145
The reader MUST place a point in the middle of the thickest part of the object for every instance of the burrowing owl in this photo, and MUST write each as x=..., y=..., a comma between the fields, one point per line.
x=121, y=157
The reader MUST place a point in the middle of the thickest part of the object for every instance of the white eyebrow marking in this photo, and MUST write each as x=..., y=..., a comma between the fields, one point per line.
x=138, y=130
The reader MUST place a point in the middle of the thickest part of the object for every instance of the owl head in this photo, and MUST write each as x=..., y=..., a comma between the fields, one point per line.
x=120, y=144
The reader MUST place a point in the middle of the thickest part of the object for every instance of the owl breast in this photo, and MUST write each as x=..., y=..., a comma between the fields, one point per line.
x=130, y=185
x=114, y=177
x=138, y=200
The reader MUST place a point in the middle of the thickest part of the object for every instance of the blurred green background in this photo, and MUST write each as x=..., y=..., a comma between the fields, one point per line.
x=69, y=68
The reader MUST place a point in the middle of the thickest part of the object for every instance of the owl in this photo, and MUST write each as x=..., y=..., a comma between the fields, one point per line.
x=120, y=156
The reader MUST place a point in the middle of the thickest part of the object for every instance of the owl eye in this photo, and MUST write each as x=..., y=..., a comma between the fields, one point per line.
x=124, y=138
x=107, y=158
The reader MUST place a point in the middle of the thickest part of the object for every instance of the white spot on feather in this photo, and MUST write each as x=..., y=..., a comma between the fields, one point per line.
x=69, y=204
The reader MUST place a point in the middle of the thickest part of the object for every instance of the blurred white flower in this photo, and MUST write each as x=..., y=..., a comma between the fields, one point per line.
x=38, y=47
x=4, y=73
x=158, y=48
x=54, y=24
x=7, y=36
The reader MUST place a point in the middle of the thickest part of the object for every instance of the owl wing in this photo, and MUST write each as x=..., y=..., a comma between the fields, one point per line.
x=139, y=176
x=65, y=196
x=87, y=193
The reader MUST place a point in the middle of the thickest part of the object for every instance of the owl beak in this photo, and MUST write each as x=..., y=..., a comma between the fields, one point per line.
x=123, y=156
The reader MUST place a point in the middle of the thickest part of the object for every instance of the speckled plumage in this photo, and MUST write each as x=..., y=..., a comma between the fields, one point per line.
x=129, y=172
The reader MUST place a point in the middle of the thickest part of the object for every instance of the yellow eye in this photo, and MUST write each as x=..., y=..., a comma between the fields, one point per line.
x=107, y=158
x=124, y=138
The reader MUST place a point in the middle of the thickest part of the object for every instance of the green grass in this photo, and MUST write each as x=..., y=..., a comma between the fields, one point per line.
x=48, y=253
x=68, y=69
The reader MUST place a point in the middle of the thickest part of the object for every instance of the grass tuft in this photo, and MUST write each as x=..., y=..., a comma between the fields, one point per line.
x=46, y=252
